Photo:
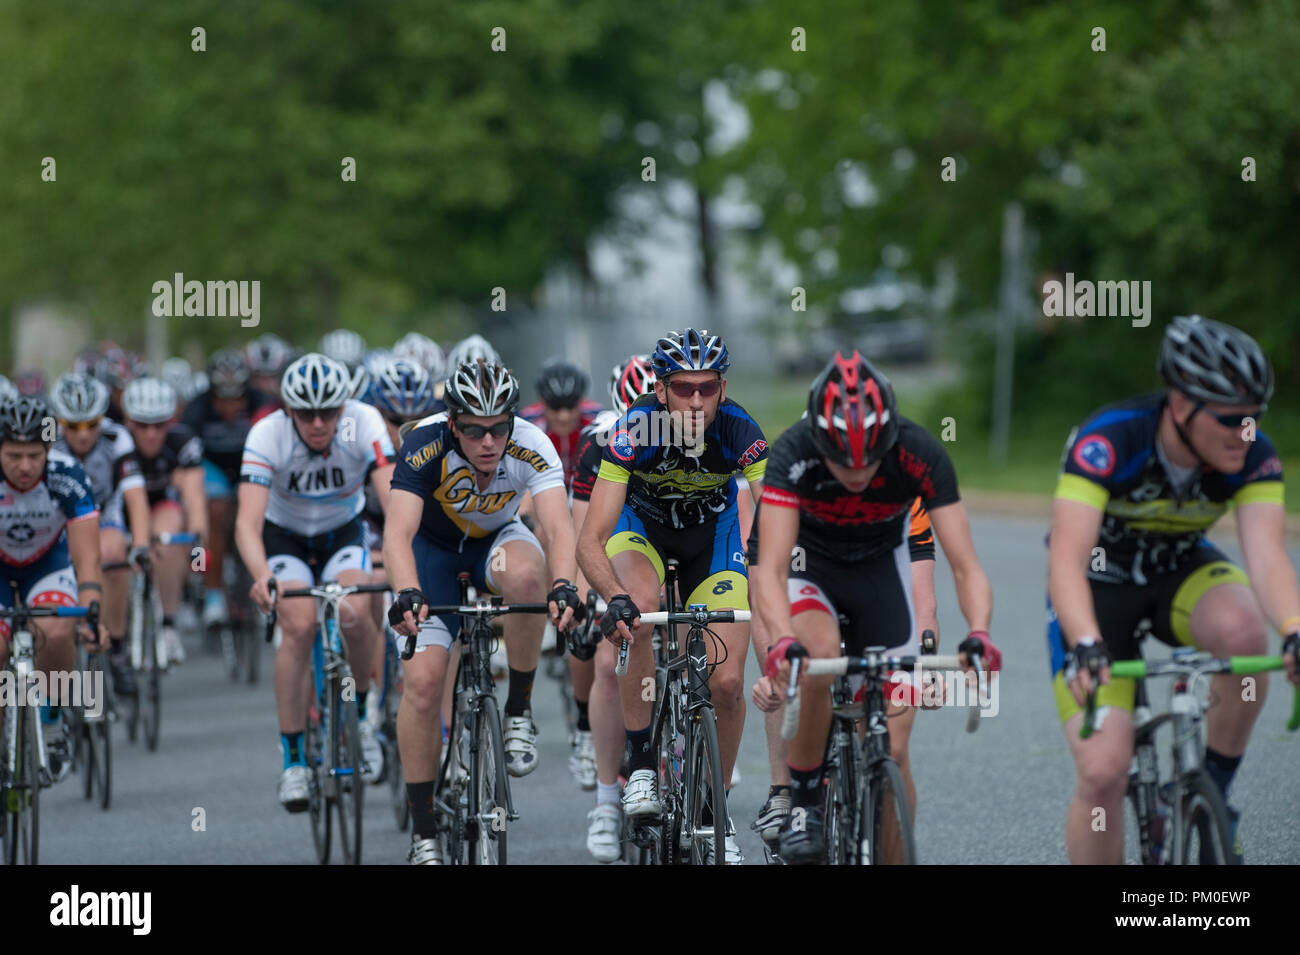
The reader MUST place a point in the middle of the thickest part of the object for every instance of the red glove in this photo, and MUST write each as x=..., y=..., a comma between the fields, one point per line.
x=777, y=654
x=991, y=655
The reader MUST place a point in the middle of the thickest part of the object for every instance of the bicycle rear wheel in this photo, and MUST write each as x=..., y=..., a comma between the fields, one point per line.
x=393, y=752
x=319, y=801
x=1206, y=837
x=23, y=798
x=152, y=689
x=841, y=839
x=707, y=793
x=488, y=797
x=886, y=836
x=349, y=786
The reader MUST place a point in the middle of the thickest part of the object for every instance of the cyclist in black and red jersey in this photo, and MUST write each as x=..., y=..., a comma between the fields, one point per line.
x=840, y=484
x=563, y=410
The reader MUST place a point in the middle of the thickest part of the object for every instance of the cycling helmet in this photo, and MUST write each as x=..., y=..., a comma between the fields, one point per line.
x=402, y=389
x=178, y=373
x=268, y=355
x=345, y=346
x=690, y=350
x=23, y=420
x=631, y=379
x=422, y=350
x=852, y=412
x=482, y=388
x=87, y=360
x=1213, y=362
x=315, y=381
x=471, y=349
x=562, y=383
x=30, y=382
x=79, y=398
x=116, y=367
x=149, y=401
x=7, y=389
x=227, y=374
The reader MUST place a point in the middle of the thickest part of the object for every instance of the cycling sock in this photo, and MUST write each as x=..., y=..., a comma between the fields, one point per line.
x=639, y=743
x=292, y=745
x=521, y=691
x=606, y=792
x=1221, y=769
x=805, y=786
x=584, y=724
x=116, y=645
x=424, y=823
x=781, y=789
x=168, y=621
x=362, y=696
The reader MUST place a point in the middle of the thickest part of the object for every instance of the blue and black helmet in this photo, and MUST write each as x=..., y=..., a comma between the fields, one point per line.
x=401, y=388
x=690, y=350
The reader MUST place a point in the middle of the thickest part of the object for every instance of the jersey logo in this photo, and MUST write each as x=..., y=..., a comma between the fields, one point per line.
x=21, y=533
x=321, y=479
x=752, y=452
x=1095, y=455
x=420, y=456
x=620, y=445
x=458, y=489
x=1269, y=468
x=528, y=457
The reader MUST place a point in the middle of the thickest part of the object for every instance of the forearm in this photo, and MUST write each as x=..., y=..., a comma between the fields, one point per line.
x=1071, y=597
x=399, y=562
x=559, y=551
x=974, y=596
x=923, y=599
x=773, y=605
x=83, y=549
x=248, y=538
x=596, y=566
x=195, y=503
x=137, y=509
x=1279, y=594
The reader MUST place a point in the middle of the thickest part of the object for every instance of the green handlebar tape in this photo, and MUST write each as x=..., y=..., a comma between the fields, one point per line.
x=1255, y=664
x=1128, y=669
x=1089, y=711
x=1294, y=722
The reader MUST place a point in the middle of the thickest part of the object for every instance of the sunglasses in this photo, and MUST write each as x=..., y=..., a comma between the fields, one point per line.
x=684, y=389
x=150, y=425
x=477, y=431
x=326, y=415
x=1236, y=421
x=562, y=406
x=81, y=425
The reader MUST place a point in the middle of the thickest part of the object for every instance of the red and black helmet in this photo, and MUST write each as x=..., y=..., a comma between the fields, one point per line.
x=852, y=412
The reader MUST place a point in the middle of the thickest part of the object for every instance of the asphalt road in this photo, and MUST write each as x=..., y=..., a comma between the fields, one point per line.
x=997, y=796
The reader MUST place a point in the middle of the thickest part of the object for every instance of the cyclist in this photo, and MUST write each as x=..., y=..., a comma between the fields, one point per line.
x=107, y=455
x=7, y=389
x=30, y=382
x=303, y=474
x=600, y=739
x=49, y=546
x=471, y=349
x=267, y=356
x=424, y=351
x=221, y=417
x=1141, y=483
x=666, y=489
x=171, y=462
x=455, y=499
x=840, y=486
x=115, y=368
x=178, y=373
x=348, y=348
x=563, y=411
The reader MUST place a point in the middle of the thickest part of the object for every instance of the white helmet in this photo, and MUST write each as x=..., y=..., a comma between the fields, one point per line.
x=77, y=397
x=471, y=349
x=149, y=401
x=7, y=390
x=481, y=388
x=178, y=373
x=422, y=350
x=314, y=381
x=344, y=345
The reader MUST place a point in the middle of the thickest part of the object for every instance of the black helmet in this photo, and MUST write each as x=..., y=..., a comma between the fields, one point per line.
x=481, y=388
x=227, y=373
x=24, y=420
x=1213, y=362
x=562, y=384
x=852, y=412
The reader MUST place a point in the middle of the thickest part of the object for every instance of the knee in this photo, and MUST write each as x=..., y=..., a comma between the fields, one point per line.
x=1242, y=631
x=525, y=584
x=112, y=548
x=1103, y=778
x=728, y=689
x=422, y=688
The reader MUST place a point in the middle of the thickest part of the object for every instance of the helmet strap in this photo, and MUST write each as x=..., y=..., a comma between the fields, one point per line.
x=1182, y=434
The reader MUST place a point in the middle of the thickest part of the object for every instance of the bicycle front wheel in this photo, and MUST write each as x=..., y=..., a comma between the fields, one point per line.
x=707, y=793
x=351, y=788
x=1206, y=837
x=23, y=797
x=152, y=688
x=886, y=836
x=841, y=834
x=488, y=800
x=319, y=802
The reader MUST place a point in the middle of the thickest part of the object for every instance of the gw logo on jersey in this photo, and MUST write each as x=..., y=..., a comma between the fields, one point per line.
x=457, y=488
x=421, y=456
x=1095, y=455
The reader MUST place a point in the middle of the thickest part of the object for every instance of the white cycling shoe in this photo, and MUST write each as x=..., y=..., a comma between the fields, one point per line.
x=520, y=737
x=582, y=759
x=425, y=852
x=640, y=795
x=372, y=754
x=604, y=834
x=295, y=788
x=733, y=854
x=173, y=649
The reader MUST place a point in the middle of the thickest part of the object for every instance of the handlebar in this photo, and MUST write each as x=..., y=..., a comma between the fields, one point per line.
x=687, y=617
x=484, y=608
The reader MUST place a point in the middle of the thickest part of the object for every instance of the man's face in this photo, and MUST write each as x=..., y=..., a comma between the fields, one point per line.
x=82, y=435
x=1221, y=444
x=229, y=408
x=148, y=437
x=485, y=450
x=316, y=426
x=562, y=421
x=267, y=383
x=682, y=393
x=853, y=479
x=23, y=463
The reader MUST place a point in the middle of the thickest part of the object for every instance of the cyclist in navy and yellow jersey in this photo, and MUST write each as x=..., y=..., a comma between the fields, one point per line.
x=1141, y=482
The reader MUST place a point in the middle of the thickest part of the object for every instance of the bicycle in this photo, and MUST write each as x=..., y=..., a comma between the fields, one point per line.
x=91, y=735
x=389, y=701
x=24, y=768
x=1190, y=801
x=474, y=807
x=332, y=739
x=866, y=808
x=692, y=788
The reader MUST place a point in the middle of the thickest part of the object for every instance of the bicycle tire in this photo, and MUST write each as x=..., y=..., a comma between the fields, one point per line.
x=319, y=807
x=25, y=794
x=451, y=830
x=103, y=762
x=152, y=689
x=351, y=787
x=884, y=800
x=670, y=768
x=838, y=813
x=1205, y=817
x=489, y=795
x=253, y=640
x=707, y=781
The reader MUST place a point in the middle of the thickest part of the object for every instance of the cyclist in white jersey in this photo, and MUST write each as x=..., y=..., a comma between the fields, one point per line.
x=302, y=483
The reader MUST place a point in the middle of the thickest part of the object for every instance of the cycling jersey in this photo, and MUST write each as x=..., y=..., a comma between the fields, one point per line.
x=181, y=449
x=667, y=485
x=853, y=527
x=111, y=465
x=223, y=441
x=314, y=492
x=32, y=522
x=920, y=538
x=456, y=510
x=591, y=447
x=1150, y=526
x=568, y=447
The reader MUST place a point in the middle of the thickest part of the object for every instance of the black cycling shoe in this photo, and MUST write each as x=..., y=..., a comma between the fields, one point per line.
x=123, y=675
x=803, y=837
